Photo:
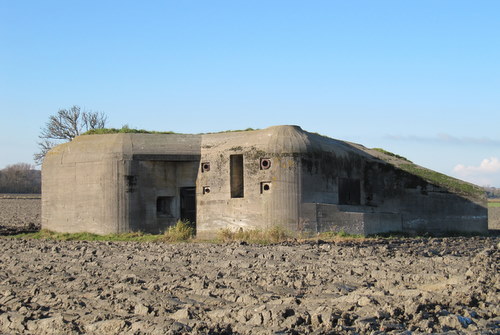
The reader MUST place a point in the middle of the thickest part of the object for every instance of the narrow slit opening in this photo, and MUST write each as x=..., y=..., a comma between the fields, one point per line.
x=236, y=176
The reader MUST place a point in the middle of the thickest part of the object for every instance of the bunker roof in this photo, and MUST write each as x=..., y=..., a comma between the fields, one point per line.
x=286, y=139
x=144, y=146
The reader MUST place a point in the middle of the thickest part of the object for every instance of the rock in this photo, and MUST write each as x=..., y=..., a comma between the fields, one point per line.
x=365, y=301
x=52, y=325
x=179, y=327
x=366, y=324
x=453, y=322
x=182, y=314
x=141, y=309
x=256, y=320
x=388, y=326
x=293, y=321
x=464, y=321
x=111, y=327
x=412, y=307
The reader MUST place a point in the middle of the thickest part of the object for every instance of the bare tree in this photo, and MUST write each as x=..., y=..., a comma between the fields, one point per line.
x=65, y=126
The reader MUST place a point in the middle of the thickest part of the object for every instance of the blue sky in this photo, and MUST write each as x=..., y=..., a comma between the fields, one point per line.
x=419, y=78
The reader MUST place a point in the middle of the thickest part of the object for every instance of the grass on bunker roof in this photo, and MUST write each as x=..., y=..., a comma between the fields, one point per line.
x=126, y=130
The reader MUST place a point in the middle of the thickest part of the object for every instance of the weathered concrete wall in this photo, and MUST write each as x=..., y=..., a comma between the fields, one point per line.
x=271, y=194
x=109, y=183
x=389, y=199
x=424, y=207
x=317, y=218
x=156, y=181
x=78, y=184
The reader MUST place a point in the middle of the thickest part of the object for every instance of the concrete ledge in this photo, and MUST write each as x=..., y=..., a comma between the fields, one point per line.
x=166, y=158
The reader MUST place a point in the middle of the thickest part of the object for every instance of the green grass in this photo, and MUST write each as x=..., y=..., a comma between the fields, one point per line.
x=335, y=235
x=124, y=130
x=450, y=183
x=493, y=204
x=185, y=232
x=273, y=235
x=182, y=231
x=49, y=235
x=232, y=131
x=279, y=234
x=20, y=196
x=388, y=153
x=439, y=179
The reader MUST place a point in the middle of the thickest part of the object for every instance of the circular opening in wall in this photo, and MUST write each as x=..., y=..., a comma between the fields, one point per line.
x=206, y=190
x=265, y=163
x=266, y=187
x=205, y=167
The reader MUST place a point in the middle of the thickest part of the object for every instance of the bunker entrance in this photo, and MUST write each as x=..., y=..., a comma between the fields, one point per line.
x=188, y=204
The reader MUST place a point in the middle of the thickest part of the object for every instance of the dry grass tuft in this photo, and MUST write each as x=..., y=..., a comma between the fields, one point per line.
x=182, y=231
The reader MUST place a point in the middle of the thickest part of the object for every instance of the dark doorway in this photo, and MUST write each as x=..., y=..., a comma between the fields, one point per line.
x=349, y=191
x=188, y=204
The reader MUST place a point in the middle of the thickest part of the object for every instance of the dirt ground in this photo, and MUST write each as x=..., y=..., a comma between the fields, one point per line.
x=394, y=286
x=19, y=213
x=368, y=287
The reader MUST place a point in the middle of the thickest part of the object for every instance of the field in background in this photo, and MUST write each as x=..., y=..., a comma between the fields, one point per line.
x=19, y=213
x=493, y=202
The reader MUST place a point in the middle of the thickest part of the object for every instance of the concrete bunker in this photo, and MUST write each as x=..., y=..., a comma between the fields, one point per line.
x=280, y=175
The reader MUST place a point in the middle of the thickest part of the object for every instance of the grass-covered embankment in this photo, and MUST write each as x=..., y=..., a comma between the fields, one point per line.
x=452, y=184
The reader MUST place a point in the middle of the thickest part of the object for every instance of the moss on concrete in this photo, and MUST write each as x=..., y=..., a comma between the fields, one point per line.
x=388, y=153
x=452, y=184
x=439, y=179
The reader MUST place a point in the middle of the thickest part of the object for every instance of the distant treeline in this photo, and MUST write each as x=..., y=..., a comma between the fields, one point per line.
x=492, y=192
x=20, y=178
